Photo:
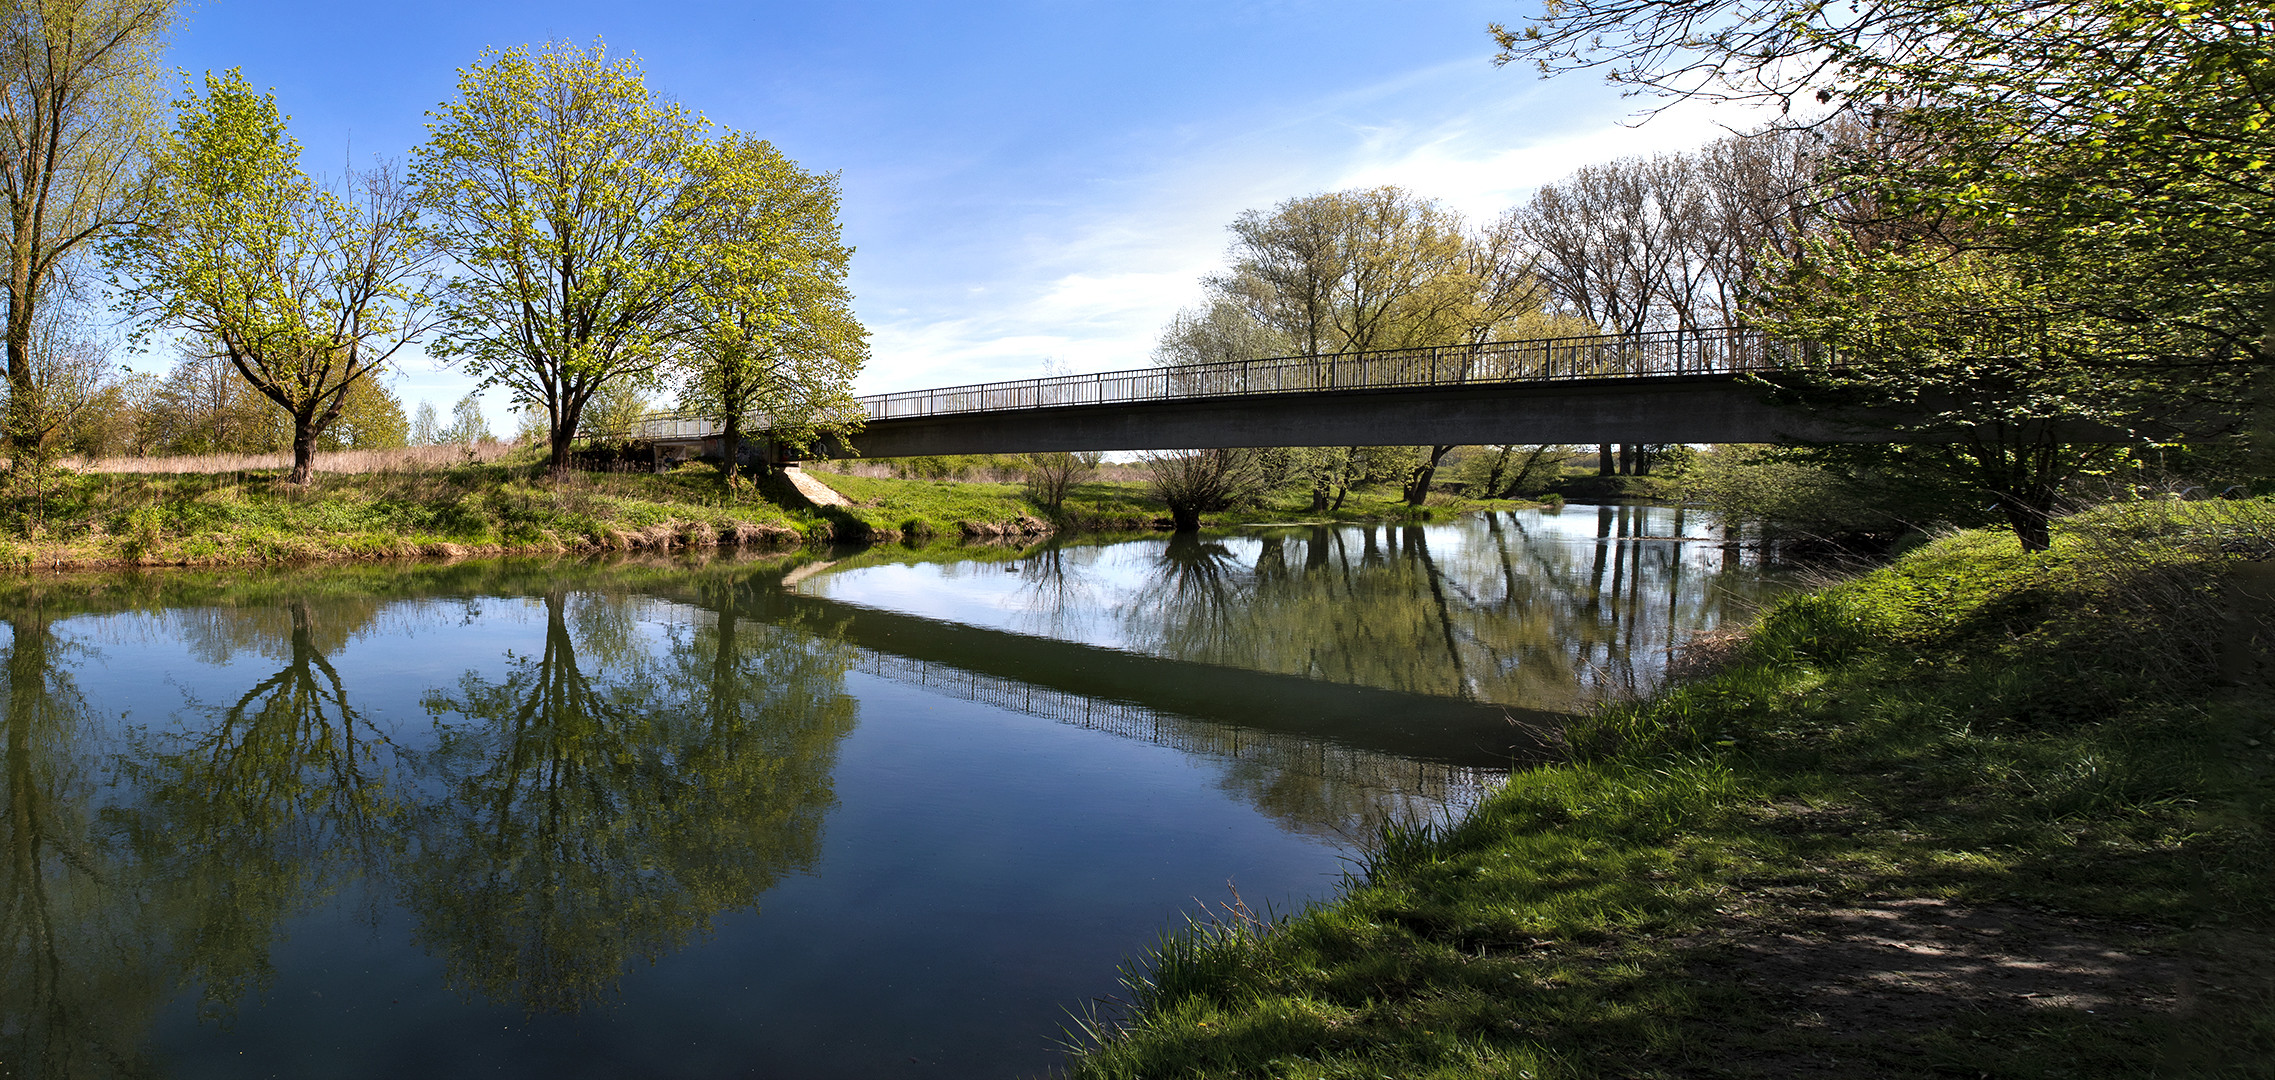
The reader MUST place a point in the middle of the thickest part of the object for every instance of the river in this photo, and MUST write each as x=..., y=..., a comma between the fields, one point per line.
x=872, y=813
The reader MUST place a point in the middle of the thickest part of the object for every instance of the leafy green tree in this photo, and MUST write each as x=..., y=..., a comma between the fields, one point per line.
x=307, y=293
x=371, y=418
x=2119, y=147
x=78, y=105
x=558, y=184
x=426, y=428
x=1374, y=268
x=467, y=424
x=1973, y=349
x=774, y=330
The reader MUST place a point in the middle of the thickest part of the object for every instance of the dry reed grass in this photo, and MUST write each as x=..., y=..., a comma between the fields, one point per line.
x=399, y=459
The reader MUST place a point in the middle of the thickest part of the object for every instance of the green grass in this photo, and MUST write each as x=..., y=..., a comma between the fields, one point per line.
x=253, y=517
x=888, y=508
x=66, y=520
x=2043, y=737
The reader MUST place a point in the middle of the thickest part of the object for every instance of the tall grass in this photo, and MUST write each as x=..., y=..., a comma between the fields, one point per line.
x=397, y=459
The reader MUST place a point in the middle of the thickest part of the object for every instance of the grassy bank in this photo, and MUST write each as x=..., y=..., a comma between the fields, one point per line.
x=892, y=508
x=1975, y=814
x=158, y=519
x=409, y=505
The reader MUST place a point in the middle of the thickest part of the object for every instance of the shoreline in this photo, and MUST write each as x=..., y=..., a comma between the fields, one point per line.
x=92, y=522
x=1975, y=811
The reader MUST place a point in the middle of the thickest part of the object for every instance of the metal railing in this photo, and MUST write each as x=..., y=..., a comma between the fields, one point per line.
x=1721, y=351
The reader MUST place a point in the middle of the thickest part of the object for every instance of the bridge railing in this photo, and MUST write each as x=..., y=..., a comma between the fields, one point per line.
x=1672, y=352
x=1719, y=351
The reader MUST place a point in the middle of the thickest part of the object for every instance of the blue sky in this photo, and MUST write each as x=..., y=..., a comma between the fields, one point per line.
x=1026, y=181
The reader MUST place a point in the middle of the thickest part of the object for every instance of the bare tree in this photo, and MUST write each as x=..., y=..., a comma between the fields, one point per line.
x=1051, y=475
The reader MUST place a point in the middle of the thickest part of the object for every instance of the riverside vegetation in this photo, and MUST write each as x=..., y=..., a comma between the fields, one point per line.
x=1978, y=813
x=490, y=502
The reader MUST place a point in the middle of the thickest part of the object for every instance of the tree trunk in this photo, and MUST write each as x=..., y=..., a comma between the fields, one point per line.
x=303, y=450
x=1418, y=484
x=1187, y=516
x=731, y=440
x=2032, y=524
x=564, y=434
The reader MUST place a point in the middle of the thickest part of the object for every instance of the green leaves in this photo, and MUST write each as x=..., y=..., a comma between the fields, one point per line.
x=304, y=291
x=604, y=236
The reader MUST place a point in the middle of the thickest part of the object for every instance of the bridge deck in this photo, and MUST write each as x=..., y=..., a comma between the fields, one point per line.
x=1149, y=402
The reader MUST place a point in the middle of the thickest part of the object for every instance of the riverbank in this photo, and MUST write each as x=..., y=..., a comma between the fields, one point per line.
x=895, y=509
x=1977, y=813
x=94, y=520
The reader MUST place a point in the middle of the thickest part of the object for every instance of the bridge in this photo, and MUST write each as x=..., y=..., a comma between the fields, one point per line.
x=1677, y=386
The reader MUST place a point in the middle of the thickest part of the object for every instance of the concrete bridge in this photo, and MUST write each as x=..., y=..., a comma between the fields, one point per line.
x=1681, y=386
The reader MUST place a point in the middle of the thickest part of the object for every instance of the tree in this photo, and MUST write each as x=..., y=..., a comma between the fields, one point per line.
x=467, y=424
x=1973, y=346
x=203, y=407
x=774, y=330
x=78, y=94
x=426, y=427
x=1374, y=268
x=1193, y=481
x=305, y=292
x=557, y=182
x=371, y=418
x=2119, y=145
x=1051, y=475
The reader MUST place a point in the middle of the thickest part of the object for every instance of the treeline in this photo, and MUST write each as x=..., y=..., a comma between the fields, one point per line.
x=566, y=234
x=2038, y=236
x=1674, y=241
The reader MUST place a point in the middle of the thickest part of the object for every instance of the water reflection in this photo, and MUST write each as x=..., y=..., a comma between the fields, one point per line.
x=602, y=804
x=1528, y=610
x=245, y=814
x=78, y=980
x=610, y=757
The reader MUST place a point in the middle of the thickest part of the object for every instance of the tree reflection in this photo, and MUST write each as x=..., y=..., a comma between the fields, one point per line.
x=601, y=805
x=1523, y=620
x=78, y=979
x=267, y=805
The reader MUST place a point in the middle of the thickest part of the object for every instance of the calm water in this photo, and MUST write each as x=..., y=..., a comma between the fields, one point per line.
x=885, y=814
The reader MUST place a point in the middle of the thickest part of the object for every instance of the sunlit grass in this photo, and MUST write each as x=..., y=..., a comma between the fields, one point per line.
x=1973, y=725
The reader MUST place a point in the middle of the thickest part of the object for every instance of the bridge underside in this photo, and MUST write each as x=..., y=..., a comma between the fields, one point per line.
x=1677, y=409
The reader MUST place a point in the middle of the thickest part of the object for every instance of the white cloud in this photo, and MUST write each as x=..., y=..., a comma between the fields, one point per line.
x=1088, y=273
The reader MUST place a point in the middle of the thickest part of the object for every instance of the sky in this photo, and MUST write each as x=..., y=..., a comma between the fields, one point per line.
x=1029, y=185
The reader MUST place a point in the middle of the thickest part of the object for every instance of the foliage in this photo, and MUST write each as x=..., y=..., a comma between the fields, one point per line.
x=467, y=424
x=2114, y=150
x=1973, y=347
x=1510, y=470
x=556, y=181
x=371, y=418
x=78, y=107
x=305, y=292
x=774, y=330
